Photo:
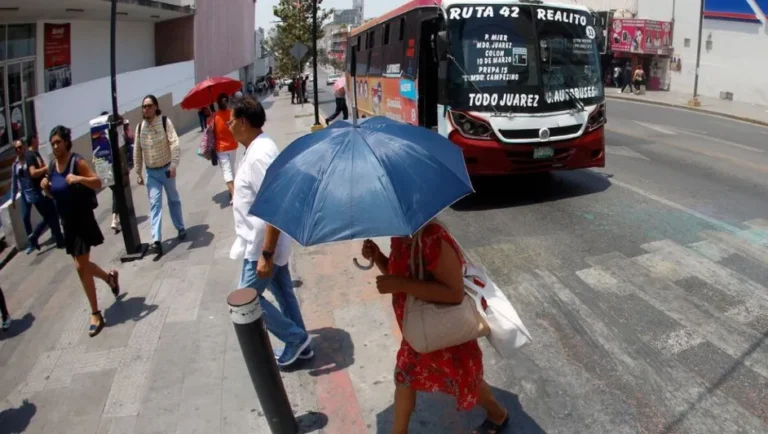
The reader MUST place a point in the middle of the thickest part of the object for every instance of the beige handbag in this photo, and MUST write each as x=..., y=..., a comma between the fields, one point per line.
x=429, y=327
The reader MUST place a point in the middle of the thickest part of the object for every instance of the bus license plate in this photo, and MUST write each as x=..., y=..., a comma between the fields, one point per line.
x=543, y=152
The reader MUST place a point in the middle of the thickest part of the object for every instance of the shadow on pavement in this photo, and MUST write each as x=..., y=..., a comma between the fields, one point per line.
x=334, y=351
x=221, y=199
x=18, y=326
x=198, y=236
x=519, y=190
x=436, y=412
x=132, y=309
x=311, y=422
x=16, y=420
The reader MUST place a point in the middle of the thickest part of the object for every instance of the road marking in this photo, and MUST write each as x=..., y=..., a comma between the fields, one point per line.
x=625, y=152
x=658, y=128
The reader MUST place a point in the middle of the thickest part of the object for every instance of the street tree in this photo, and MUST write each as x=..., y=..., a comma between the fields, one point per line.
x=337, y=64
x=295, y=26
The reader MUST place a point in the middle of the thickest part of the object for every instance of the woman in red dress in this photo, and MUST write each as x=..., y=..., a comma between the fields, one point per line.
x=456, y=371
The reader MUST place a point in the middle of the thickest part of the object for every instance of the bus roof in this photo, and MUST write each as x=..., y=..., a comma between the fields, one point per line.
x=415, y=4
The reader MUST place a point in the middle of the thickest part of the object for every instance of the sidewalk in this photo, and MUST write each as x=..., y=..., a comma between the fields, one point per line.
x=168, y=360
x=752, y=113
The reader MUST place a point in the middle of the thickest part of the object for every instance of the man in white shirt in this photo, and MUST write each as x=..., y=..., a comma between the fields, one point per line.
x=261, y=247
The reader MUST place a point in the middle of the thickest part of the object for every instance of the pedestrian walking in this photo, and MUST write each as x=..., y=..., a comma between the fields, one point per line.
x=27, y=173
x=226, y=145
x=203, y=114
x=157, y=147
x=262, y=248
x=73, y=185
x=457, y=370
x=6, y=317
x=339, y=92
x=638, y=78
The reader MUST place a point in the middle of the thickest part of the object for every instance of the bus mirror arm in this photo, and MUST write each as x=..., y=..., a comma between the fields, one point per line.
x=441, y=42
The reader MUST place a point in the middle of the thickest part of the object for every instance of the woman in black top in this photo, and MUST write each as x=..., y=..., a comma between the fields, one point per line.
x=72, y=184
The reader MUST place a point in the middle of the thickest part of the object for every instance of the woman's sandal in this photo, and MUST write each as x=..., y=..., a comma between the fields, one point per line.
x=113, y=283
x=490, y=427
x=94, y=329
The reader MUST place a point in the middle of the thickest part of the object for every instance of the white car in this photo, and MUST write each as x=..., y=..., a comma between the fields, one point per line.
x=332, y=79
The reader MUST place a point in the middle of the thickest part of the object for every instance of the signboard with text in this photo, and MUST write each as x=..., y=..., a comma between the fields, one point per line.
x=57, y=50
x=641, y=36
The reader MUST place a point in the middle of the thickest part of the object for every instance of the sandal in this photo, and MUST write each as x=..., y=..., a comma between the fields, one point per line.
x=490, y=427
x=94, y=329
x=113, y=283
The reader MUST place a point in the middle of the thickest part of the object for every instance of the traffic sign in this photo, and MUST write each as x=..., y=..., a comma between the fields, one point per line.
x=299, y=50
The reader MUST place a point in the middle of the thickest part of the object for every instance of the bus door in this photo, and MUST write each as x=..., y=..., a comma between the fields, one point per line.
x=428, y=86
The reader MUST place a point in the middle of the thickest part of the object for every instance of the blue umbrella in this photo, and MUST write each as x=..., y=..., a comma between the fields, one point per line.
x=379, y=178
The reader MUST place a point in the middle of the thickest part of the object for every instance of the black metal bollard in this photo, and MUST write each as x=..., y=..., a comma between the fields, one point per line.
x=246, y=313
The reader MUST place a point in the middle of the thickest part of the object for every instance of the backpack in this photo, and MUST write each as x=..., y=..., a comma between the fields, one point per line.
x=86, y=195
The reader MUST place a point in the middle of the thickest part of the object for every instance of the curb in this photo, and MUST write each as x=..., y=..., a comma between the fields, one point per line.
x=689, y=108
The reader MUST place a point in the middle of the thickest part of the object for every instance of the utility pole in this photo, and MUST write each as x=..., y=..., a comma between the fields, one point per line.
x=317, y=126
x=134, y=249
x=694, y=102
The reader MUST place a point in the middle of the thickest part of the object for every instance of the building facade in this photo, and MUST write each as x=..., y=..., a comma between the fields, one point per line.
x=734, y=39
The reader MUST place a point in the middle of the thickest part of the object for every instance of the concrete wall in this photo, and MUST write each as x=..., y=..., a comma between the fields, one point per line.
x=93, y=97
x=90, y=48
x=736, y=63
x=174, y=41
x=222, y=36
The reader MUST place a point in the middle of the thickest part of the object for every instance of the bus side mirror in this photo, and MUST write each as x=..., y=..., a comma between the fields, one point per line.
x=441, y=41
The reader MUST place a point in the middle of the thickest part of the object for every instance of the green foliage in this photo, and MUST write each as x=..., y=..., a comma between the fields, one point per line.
x=295, y=26
x=336, y=64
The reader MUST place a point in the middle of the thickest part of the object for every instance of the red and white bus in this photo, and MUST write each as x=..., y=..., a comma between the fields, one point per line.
x=516, y=84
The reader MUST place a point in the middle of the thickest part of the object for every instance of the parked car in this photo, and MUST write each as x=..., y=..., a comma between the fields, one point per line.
x=332, y=79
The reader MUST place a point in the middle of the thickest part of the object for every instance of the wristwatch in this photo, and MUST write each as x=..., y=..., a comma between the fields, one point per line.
x=267, y=254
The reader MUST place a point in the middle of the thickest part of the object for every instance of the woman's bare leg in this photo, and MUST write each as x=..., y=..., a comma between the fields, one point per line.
x=99, y=272
x=405, y=402
x=84, y=271
x=496, y=413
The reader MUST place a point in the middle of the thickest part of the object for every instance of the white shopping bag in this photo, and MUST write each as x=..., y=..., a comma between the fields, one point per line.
x=508, y=333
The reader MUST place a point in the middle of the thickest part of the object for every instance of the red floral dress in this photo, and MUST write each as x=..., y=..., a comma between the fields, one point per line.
x=456, y=371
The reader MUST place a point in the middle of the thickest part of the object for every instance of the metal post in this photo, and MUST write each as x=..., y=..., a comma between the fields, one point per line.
x=695, y=101
x=314, y=65
x=134, y=249
x=246, y=313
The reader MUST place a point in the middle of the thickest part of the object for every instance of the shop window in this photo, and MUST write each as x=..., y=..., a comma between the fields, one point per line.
x=21, y=40
x=687, y=42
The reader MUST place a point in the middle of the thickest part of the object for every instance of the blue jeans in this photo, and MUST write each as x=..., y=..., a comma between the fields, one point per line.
x=285, y=323
x=47, y=210
x=156, y=182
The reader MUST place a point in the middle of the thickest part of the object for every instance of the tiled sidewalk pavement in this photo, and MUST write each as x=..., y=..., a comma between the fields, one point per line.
x=751, y=113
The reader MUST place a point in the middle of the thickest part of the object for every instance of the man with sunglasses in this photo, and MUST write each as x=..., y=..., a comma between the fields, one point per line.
x=27, y=172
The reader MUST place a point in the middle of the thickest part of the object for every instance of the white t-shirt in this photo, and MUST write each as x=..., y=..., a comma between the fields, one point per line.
x=249, y=229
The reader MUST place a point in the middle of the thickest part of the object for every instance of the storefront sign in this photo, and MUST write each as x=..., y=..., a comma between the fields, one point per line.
x=58, y=56
x=641, y=36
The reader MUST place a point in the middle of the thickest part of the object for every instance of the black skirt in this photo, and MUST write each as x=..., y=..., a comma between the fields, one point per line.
x=81, y=232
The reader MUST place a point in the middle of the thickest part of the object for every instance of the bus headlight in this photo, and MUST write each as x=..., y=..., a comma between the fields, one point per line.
x=597, y=118
x=470, y=127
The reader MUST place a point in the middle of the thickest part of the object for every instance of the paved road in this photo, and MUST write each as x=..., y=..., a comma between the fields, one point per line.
x=644, y=284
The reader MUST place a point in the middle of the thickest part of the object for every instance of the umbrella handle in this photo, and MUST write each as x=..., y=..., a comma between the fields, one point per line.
x=362, y=267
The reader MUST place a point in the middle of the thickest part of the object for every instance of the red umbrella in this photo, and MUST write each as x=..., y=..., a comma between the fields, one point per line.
x=206, y=92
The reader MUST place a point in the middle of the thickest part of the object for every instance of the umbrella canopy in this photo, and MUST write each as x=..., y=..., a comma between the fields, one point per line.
x=206, y=92
x=380, y=178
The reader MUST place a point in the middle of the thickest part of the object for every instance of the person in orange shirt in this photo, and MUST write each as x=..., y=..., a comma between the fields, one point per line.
x=226, y=145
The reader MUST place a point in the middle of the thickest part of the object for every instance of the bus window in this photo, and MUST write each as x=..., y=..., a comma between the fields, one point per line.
x=371, y=39
x=402, y=29
x=386, y=34
x=358, y=43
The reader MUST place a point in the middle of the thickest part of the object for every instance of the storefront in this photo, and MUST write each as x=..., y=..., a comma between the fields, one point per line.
x=646, y=43
x=17, y=82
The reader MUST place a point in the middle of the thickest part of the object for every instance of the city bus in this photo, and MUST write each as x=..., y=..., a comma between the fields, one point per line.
x=516, y=84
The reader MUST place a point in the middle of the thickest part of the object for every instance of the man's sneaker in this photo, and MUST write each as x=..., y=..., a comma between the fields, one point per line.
x=156, y=249
x=304, y=355
x=182, y=234
x=6, y=323
x=292, y=352
x=29, y=249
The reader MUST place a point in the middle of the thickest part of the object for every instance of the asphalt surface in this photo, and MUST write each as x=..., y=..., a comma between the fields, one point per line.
x=644, y=284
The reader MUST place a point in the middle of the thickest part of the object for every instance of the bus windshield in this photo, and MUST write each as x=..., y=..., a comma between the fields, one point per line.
x=522, y=58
